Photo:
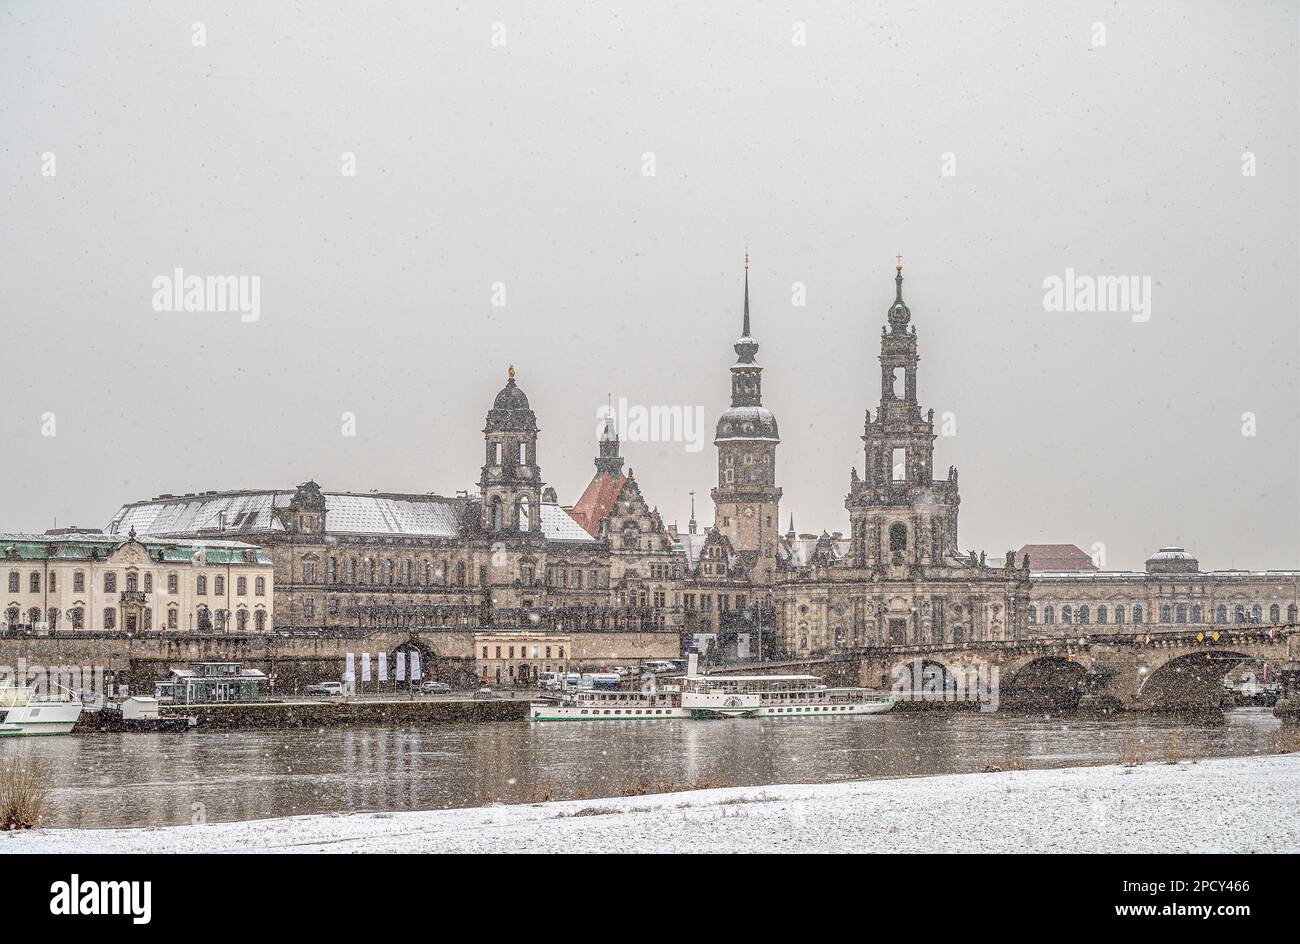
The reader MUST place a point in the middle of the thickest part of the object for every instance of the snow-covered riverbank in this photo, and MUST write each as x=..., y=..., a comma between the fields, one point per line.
x=1246, y=804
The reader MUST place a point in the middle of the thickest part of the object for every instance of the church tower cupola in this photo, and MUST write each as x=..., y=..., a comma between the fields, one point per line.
x=511, y=481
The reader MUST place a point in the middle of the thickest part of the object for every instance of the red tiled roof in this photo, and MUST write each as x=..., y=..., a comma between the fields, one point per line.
x=597, y=501
x=1056, y=557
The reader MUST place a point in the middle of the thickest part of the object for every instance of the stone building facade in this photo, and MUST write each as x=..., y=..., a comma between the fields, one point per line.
x=91, y=582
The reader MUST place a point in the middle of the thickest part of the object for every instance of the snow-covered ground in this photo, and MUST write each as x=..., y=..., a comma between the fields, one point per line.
x=1243, y=804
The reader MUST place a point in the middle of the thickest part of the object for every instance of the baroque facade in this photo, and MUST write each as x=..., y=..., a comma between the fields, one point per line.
x=92, y=582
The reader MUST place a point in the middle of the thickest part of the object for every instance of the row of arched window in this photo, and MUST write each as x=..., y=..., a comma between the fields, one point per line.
x=1175, y=613
x=389, y=573
x=134, y=582
x=76, y=618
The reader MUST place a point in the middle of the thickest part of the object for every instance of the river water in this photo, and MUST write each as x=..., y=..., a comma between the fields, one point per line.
x=163, y=779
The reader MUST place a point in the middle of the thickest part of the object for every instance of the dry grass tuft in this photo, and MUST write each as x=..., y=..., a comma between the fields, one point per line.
x=1133, y=753
x=24, y=788
x=1173, y=750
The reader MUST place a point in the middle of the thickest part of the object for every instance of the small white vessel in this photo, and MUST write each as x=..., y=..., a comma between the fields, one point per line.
x=776, y=696
x=24, y=712
x=654, y=704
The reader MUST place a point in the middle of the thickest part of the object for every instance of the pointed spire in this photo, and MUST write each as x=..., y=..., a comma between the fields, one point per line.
x=690, y=525
x=899, y=314
x=745, y=347
x=609, y=458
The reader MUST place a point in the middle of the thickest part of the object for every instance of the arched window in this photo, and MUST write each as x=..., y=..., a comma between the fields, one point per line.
x=34, y=583
x=148, y=619
x=426, y=573
x=496, y=520
x=1083, y=614
x=460, y=574
x=1239, y=613
x=406, y=573
x=77, y=617
x=522, y=514
x=259, y=620
x=110, y=618
x=1180, y=613
x=1166, y=613
x=173, y=618
x=367, y=570
x=53, y=618
x=1067, y=615
x=205, y=620
x=1033, y=614
x=440, y=573
x=13, y=581
x=11, y=617
x=897, y=537
x=1101, y=614
x=1137, y=613
x=1197, y=613
x=1119, y=614
x=1221, y=613
x=331, y=570
x=34, y=616
x=1291, y=613
x=132, y=581
x=1049, y=615
x=241, y=619
x=1257, y=614
x=388, y=572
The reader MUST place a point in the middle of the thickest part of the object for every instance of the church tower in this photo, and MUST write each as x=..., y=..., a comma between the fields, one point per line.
x=608, y=460
x=902, y=518
x=746, y=498
x=511, y=481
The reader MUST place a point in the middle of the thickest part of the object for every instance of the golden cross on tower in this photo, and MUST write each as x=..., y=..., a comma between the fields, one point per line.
x=746, y=260
x=512, y=372
x=899, y=257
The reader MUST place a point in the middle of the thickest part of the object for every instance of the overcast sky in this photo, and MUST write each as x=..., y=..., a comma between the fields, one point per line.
x=524, y=164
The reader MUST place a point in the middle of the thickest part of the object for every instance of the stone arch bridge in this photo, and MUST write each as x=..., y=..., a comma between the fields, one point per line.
x=1142, y=672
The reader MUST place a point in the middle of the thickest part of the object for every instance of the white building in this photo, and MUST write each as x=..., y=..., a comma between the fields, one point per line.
x=88, y=581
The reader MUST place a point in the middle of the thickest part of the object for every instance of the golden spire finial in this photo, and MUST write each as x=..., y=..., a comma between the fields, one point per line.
x=899, y=267
x=512, y=371
x=746, y=260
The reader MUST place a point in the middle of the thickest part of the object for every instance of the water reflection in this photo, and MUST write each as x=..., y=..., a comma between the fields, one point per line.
x=147, y=779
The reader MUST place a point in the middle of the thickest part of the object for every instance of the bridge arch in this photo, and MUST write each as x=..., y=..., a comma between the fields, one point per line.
x=1194, y=680
x=1048, y=682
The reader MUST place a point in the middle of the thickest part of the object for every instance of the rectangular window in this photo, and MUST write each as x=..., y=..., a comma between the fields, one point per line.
x=899, y=464
x=110, y=618
x=309, y=572
x=218, y=584
x=110, y=582
x=485, y=652
x=241, y=586
x=309, y=608
x=171, y=583
x=171, y=619
x=79, y=581
x=148, y=583
x=201, y=585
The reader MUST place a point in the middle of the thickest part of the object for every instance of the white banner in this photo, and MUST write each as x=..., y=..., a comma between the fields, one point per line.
x=415, y=666
x=365, y=667
x=383, y=667
x=401, y=667
x=350, y=673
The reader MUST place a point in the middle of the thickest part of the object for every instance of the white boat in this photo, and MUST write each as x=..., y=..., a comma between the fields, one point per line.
x=24, y=712
x=654, y=704
x=776, y=696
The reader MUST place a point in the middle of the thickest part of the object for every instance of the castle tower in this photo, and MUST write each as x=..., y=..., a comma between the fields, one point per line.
x=511, y=481
x=746, y=498
x=901, y=516
x=608, y=459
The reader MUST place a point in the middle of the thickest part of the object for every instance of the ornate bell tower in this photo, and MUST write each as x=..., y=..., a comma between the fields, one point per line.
x=901, y=517
x=746, y=499
x=511, y=480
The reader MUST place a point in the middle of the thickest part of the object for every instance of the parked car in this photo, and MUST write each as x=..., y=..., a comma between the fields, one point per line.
x=435, y=688
x=325, y=688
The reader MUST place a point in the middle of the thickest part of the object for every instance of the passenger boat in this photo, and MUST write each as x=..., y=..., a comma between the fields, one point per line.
x=776, y=696
x=25, y=712
x=654, y=704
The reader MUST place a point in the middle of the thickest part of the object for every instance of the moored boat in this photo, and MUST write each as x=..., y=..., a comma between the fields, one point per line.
x=776, y=696
x=656, y=704
x=25, y=712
